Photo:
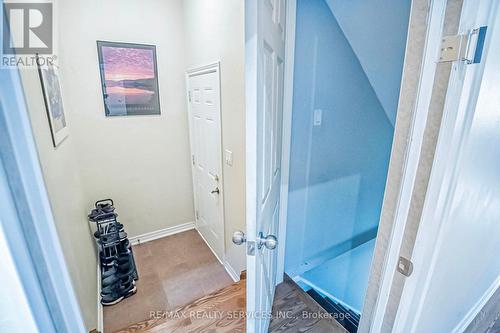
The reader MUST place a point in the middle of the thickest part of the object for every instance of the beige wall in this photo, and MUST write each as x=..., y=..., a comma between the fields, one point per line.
x=67, y=200
x=142, y=162
x=215, y=32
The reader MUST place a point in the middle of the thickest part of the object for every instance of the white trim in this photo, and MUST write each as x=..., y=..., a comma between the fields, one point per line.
x=100, y=310
x=202, y=69
x=474, y=311
x=210, y=247
x=231, y=271
x=150, y=236
x=251, y=105
x=287, y=134
x=432, y=47
x=199, y=70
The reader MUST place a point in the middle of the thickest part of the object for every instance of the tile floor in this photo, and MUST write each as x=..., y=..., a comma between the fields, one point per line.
x=173, y=271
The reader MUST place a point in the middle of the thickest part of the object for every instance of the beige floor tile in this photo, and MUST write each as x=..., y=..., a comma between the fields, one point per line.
x=173, y=271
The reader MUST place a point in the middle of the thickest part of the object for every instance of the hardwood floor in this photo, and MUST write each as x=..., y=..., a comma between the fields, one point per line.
x=295, y=311
x=183, y=288
x=173, y=271
x=222, y=311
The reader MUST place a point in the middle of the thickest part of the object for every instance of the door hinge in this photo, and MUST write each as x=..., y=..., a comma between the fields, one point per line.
x=467, y=47
x=189, y=96
x=192, y=159
x=197, y=216
x=405, y=266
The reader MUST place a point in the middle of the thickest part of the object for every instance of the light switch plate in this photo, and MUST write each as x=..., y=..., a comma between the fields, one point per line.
x=318, y=115
x=228, y=157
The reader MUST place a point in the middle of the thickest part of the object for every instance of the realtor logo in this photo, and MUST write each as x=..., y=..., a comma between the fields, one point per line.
x=27, y=28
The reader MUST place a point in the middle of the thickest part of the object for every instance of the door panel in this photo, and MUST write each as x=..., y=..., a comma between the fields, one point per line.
x=204, y=114
x=265, y=58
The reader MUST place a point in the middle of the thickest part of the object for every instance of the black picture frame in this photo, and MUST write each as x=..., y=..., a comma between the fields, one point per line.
x=52, y=98
x=134, y=92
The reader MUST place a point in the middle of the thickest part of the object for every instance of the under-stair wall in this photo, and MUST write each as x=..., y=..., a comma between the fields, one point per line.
x=377, y=31
x=341, y=142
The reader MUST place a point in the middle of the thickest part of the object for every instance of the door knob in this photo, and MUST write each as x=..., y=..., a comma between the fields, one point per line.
x=239, y=237
x=270, y=241
x=215, y=191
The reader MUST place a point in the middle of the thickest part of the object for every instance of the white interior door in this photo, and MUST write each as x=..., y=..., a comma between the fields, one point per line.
x=205, y=134
x=265, y=50
x=456, y=261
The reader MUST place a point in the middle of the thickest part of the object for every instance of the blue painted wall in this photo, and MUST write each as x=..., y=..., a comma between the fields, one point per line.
x=338, y=170
x=376, y=31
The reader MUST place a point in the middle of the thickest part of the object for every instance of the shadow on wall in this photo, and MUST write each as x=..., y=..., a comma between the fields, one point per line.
x=338, y=163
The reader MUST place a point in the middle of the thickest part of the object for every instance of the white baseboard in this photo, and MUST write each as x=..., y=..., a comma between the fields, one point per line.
x=231, y=271
x=147, y=237
x=100, y=314
x=473, y=312
x=221, y=260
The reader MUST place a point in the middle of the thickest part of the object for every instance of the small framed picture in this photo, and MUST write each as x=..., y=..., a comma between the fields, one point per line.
x=51, y=89
x=129, y=79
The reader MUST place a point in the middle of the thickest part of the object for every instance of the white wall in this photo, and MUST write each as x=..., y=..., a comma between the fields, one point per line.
x=67, y=199
x=142, y=162
x=215, y=32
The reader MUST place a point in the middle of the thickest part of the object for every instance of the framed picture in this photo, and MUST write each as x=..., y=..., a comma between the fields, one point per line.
x=129, y=79
x=51, y=89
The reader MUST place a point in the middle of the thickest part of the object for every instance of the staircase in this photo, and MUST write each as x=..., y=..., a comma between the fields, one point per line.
x=346, y=317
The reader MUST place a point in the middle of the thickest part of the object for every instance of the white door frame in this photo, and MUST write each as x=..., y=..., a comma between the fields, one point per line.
x=291, y=9
x=31, y=235
x=427, y=73
x=458, y=112
x=433, y=39
x=209, y=68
